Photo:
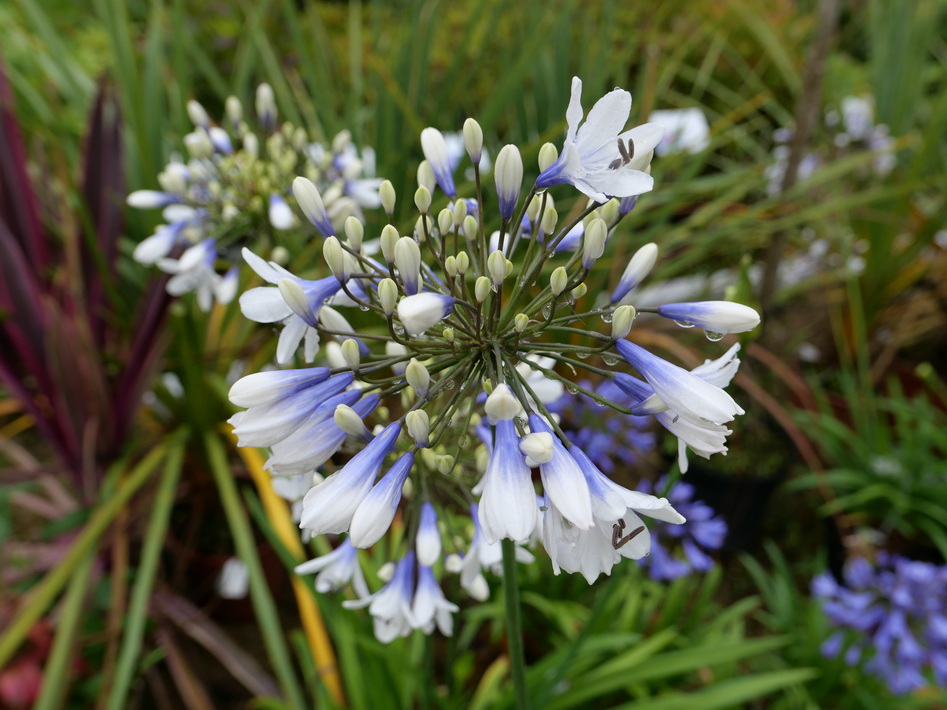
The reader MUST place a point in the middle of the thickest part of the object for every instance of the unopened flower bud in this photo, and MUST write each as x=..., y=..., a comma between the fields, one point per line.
x=350, y=353
x=294, y=296
x=435, y=152
x=550, y=217
x=558, y=280
x=251, y=144
x=335, y=257
x=463, y=262
x=388, y=241
x=470, y=227
x=450, y=266
x=448, y=334
x=421, y=311
x=622, y=319
x=498, y=266
x=426, y=176
x=310, y=202
x=520, y=321
x=538, y=446
x=609, y=212
x=387, y=295
x=482, y=288
x=423, y=227
x=638, y=267
x=579, y=291
x=266, y=106
x=347, y=420
x=197, y=114
x=445, y=220
x=593, y=246
x=386, y=193
x=459, y=212
x=548, y=155
x=408, y=261
x=354, y=231
x=502, y=404
x=198, y=144
x=444, y=463
x=233, y=110
x=422, y=199
x=473, y=140
x=532, y=210
x=419, y=427
x=508, y=172
x=280, y=255
x=418, y=377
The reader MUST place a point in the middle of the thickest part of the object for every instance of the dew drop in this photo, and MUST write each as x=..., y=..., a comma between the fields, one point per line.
x=572, y=389
x=522, y=282
x=399, y=329
x=570, y=301
x=364, y=309
x=582, y=355
x=494, y=288
x=713, y=336
x=684, y=324
x=609, y=359
x=547, y=309
x=607, y=316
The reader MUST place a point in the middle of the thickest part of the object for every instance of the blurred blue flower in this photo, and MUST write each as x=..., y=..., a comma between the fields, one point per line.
x=898, y=611
x=606, y=436
x=704, y=532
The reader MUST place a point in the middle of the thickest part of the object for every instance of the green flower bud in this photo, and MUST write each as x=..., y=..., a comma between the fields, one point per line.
x=459, y=212
x=389, y=239
x=498, y=266
x=448, y=334
x=422, y=199
x=445, y=220
x=388, y=295
x=463, y=262
x=520, y=321
x=579, y=291
x=547, y=156
x=426, y=176
x=481, y=288
x=419, y=427
x=470, y=227
x=350, y=353
x=348, y=421
x=550, y=217
x=473, y=140
x=335, y=257
x=418, y=377
x=558, y=280
x=444, y=463
x=354, y=231
x=386, y=193
x=622, y=319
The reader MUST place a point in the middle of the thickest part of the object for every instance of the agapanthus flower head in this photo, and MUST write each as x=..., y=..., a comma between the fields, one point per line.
x=891, y=618
x=457, y=343
x=236, y=186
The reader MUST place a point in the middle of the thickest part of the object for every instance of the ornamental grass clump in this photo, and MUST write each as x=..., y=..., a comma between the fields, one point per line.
x=447, y=339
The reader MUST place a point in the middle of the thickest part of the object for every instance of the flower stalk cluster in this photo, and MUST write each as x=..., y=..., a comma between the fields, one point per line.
x=431, y=391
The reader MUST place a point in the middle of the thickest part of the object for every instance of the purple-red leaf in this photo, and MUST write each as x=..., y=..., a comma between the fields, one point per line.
x=18, y=204
x=103, y=187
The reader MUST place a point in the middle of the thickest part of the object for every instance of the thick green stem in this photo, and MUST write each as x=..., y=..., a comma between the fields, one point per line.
x=514, y=631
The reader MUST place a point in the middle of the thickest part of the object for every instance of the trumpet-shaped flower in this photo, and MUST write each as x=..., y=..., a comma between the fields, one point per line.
x=329, y=507
x=430, y=607
x=563, y=481
x=597, y=157
x=374, y=514
x=336, y=570
x=390, y=607
x=508, y=503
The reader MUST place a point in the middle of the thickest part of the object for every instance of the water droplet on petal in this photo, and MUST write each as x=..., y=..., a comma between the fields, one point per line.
x=713, y=336
x=607, y=316
x=684, y=324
